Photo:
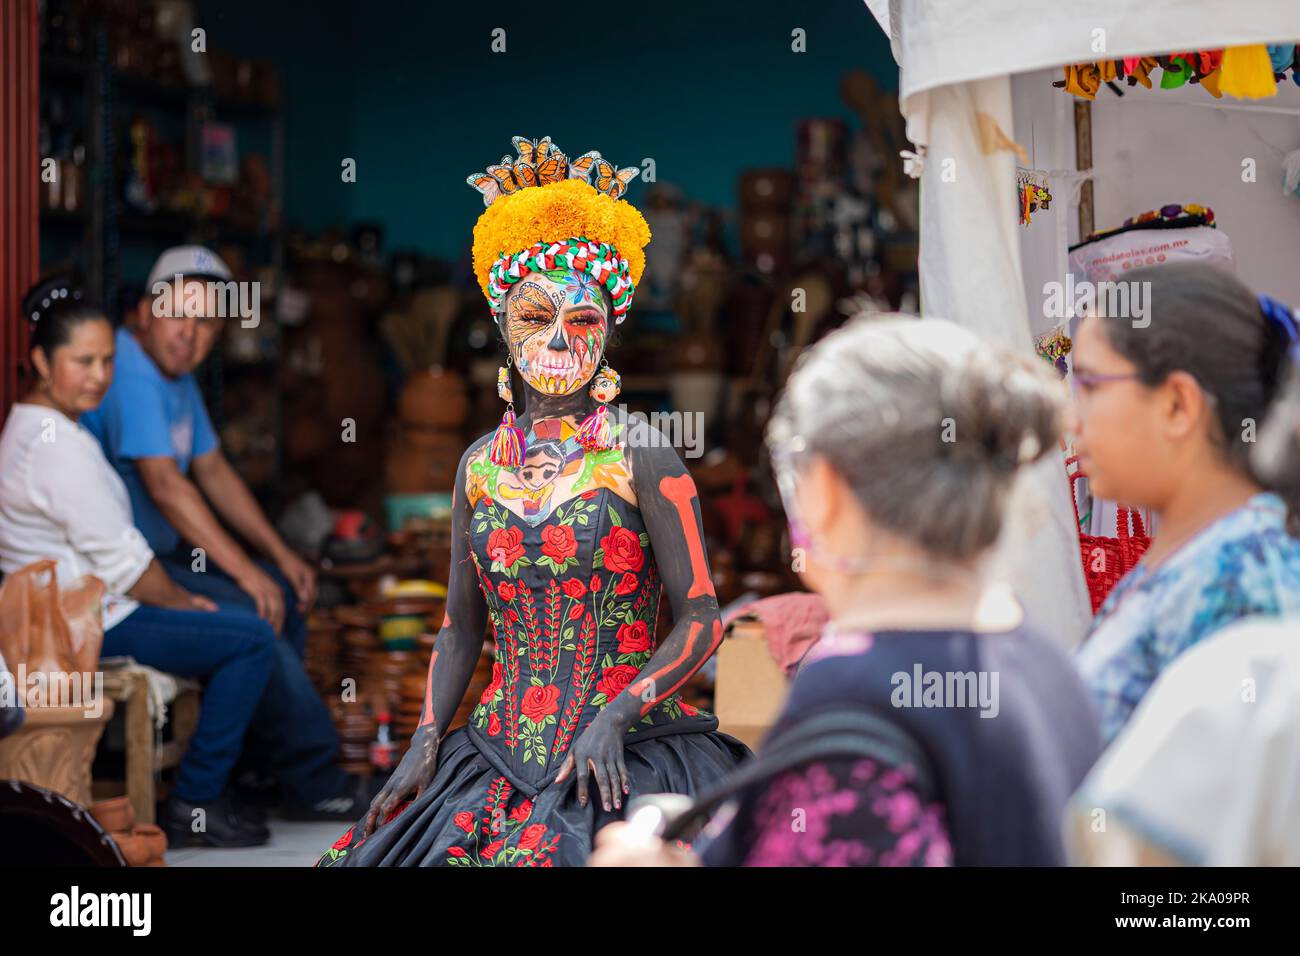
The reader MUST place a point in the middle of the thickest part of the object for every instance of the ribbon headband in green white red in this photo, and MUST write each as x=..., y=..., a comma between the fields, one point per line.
x=598, y=259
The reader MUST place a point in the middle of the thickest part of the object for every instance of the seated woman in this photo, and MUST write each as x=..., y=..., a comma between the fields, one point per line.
x=1207, y=772
x=566, y=530
x=895, y=445
x=1167, y=411
x=61, y=500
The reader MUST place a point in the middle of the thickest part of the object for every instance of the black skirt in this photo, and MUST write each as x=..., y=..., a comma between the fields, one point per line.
x=472, y=815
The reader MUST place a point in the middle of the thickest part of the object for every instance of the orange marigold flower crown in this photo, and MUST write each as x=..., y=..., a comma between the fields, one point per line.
x=545, y=212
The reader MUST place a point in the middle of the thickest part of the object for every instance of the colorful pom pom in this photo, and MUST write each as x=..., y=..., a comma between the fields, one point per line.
x=507, y=442
x=594, y=434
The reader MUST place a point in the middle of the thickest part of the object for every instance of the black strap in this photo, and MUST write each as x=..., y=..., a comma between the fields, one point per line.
x=831, y=733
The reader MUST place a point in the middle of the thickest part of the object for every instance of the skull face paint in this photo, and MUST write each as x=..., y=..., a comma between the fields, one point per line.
x=555, y=325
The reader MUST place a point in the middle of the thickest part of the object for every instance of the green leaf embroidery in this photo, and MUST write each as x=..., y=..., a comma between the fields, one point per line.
x=613, y=516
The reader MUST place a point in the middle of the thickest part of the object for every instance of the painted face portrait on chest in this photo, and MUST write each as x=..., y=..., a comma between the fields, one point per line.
x=555, y=324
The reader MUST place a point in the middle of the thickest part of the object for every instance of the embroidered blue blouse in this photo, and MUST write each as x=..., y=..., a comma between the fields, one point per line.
x=1244, y=564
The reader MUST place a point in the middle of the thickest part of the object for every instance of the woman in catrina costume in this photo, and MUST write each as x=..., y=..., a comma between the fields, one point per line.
x=567, y=527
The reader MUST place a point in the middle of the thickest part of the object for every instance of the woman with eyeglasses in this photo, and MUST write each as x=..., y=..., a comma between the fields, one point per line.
x=1167, y=408
x=928, y=726
x=1208, y=770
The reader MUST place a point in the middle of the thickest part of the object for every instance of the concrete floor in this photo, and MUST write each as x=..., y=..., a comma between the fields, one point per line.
x=292, y=844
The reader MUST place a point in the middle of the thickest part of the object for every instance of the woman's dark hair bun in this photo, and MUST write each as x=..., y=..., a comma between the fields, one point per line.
x=53, y=307
x=52, y=292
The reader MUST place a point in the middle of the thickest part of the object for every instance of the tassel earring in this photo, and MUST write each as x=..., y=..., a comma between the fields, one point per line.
x=595, y=433
x=507, y=448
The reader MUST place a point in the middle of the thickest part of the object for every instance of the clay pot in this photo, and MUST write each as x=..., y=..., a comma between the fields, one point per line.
x=115, y=815
x=349, y=615
x=141, y=845
x=411, y=469
x=153, y=836
x=434, y=398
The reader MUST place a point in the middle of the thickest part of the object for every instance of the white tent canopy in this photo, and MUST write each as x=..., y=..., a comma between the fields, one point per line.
x=955, y=61
x=943, y=42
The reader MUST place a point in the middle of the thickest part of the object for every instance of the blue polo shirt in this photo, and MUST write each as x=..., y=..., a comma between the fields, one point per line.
x=148, y=415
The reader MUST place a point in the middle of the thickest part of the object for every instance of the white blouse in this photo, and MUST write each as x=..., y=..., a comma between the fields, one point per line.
x=60, y=499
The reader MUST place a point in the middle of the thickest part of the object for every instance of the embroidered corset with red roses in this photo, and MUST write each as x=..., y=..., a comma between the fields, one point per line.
x=573, y=603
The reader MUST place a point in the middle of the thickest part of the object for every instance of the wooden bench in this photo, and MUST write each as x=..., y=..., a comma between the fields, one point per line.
x=128, y=688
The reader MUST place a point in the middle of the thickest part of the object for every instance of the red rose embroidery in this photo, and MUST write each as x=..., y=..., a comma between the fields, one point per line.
x=633, y=638
x=507, y=591
x=574, y=588
x=558, y=543
x=614, y=679
x=622, y=550
x=532, y=836
x=595, y=582
x=464, y=820
x=490, y=850
x=626, y=584
x=512, y=617
x=690, y=710
x=488, y=501
x=546, y=862
x=506, y=545
x=575, y=612
x=456, y=851
x=494, y=725
x=588, y=495
x=540, y=702
x=344, y=840
x=490, y=691
x=521, y=812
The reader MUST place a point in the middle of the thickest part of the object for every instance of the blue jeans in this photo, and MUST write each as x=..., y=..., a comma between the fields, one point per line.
x=292, y=735
x=234, y=660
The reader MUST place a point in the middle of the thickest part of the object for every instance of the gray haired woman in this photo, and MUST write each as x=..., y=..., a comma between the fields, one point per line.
x=928, y=726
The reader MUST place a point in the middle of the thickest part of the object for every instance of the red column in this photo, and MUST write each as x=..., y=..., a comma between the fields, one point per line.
x=19, y=184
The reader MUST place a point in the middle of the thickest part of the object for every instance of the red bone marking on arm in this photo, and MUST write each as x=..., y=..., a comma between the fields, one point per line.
x=427, y=716
x=680, y=490
x=639, y=687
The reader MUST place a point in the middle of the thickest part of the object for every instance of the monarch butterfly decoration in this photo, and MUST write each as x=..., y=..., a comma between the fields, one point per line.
x=613, y=182
x=499, y=180
x=540, y=163
x=608, y=179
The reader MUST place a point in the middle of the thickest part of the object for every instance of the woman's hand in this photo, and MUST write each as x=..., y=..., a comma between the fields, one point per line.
x=410, y=778
x=619, y=845
x=598, y=752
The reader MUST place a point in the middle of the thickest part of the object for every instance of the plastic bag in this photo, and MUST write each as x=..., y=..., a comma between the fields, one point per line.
x=43, y=628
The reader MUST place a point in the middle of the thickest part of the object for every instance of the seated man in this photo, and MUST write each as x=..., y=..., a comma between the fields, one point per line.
x=156, y=432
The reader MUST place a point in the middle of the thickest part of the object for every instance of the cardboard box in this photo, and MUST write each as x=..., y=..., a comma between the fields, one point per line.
x=750, y=689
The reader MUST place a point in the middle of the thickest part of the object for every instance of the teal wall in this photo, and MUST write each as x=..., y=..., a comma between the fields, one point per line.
x=413, y=92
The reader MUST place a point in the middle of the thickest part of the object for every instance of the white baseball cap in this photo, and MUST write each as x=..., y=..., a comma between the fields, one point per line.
x=192, y=262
